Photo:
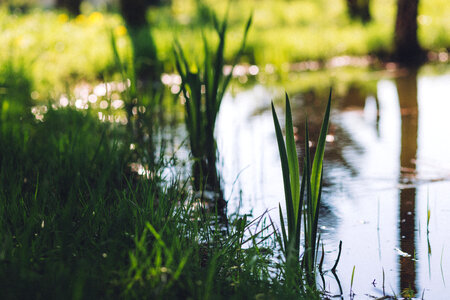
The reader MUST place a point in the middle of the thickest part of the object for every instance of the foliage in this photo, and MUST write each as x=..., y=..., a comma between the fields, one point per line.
x=57, y=49
x=203, y=88
x=301, y=200
x=76, y=220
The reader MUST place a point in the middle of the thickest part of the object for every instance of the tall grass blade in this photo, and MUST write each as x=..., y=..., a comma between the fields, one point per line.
x=302, y=197
x=283, y=228
x=285, y=171
x=294, y=172
x=316, y=171
x=203, y=88
x=333, y=269
x=351, y=281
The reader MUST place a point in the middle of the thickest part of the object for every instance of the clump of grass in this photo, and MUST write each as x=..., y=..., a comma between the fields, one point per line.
x=143, y=107
x=302, y=200
x=76, y=222
x=203, y=88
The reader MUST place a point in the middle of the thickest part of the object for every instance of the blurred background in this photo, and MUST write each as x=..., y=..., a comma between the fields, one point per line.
x=387, y=170
x=65, y=41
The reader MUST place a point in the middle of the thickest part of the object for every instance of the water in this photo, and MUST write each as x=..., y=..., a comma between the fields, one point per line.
x=387, y=165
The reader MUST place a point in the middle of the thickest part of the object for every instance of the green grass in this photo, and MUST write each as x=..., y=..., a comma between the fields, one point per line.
x=302, y=200
x=203, y=86
x=76, y=218
x=289, y=31
x=77, y=221
x=57, y=50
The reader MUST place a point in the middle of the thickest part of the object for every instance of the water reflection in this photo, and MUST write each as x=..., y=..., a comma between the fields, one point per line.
x=384, y=162
x=407, y=98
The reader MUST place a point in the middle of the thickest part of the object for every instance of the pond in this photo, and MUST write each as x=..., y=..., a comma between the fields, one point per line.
x=386, y=176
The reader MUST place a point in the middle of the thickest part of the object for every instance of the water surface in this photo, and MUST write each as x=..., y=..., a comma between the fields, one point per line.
x=387, y=165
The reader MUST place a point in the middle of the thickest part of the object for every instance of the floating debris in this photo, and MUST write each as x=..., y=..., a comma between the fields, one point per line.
x=401, y=253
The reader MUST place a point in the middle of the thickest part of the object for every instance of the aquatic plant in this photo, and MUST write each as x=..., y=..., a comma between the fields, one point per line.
x=143, y=108
x=203, y=88
x=302, y=200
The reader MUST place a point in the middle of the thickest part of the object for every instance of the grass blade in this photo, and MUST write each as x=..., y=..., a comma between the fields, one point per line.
x=283, y=229
x=294, y=172
x=285, y=171
x=316, y=171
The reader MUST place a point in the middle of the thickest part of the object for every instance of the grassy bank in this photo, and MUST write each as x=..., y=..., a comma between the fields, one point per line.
x=78, y=221
x=87, y=209
x=87, y=212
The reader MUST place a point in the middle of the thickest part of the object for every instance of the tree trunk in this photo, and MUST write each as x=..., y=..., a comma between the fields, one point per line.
x=407, y=48
x=134, y=12
x=72, y=6
x=359, y=10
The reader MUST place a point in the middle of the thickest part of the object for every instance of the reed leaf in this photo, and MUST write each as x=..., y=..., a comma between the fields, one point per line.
x=316, y=171
x=292, y=158
x=285, y=170
x=302, y=197
x=203, y=88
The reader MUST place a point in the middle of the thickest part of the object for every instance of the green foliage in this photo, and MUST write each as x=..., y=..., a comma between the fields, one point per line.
x=301, y=200
x=203, y=88
x=77, y=221
x=57, y=51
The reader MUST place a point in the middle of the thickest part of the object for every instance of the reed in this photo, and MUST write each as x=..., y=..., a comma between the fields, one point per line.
x=302, y=196
x=203, y=88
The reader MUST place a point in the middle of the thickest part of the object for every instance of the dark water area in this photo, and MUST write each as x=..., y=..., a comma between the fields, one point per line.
x=387, y=176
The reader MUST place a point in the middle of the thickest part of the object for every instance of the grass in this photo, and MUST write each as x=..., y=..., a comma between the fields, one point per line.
x=290, y=31
x=302, y=200
x=77, y=220
x=58, y=51
x=70, y=50
x=204, y=86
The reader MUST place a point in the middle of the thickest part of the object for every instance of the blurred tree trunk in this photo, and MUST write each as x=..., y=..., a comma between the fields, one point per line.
x=359, y=10
x=134, y=11
x=72, y=6
x=407, y=48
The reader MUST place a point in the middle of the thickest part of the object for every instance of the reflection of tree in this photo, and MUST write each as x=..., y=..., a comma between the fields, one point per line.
x=354, y=98
x=336, y=157
x=407, y=96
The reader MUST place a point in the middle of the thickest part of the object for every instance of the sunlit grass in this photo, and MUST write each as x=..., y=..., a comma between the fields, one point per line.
x=77, y=221
x=57, y=50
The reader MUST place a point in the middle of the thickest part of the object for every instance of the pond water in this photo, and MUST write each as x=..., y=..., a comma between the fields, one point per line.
x=387, y=168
